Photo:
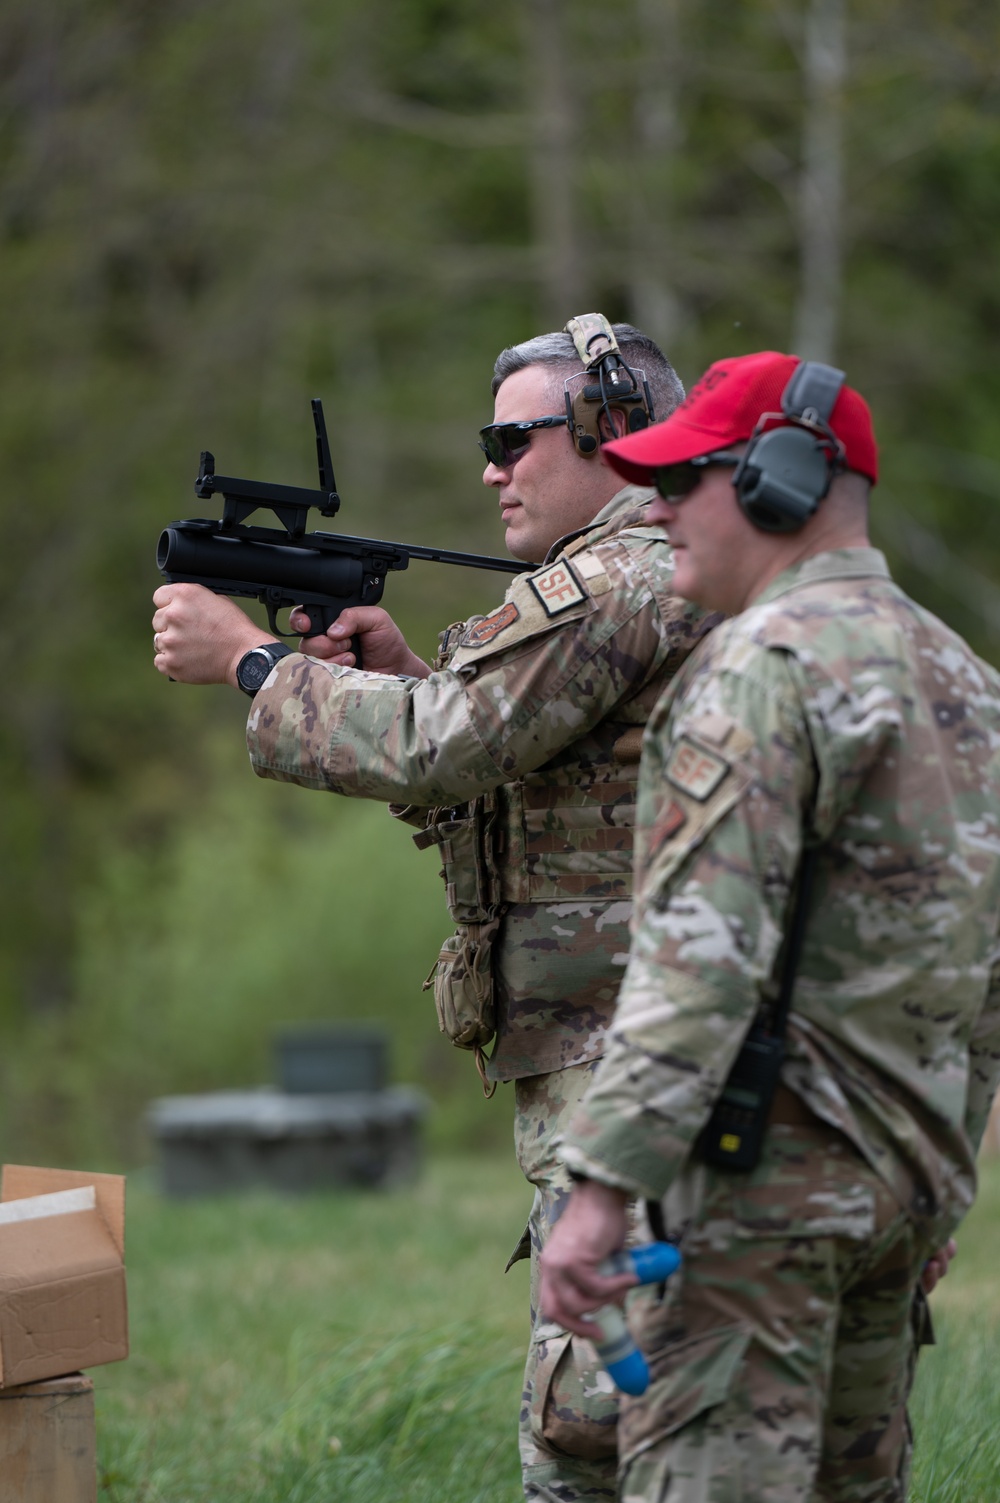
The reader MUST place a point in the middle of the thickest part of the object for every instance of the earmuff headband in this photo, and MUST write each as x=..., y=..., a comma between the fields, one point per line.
x=616, y=386
x=793, y=455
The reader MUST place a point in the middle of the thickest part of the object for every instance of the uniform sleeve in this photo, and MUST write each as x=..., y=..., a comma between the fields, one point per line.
x=984, y=1060
x=368, y=735
x=525, y=694
x=726, y=786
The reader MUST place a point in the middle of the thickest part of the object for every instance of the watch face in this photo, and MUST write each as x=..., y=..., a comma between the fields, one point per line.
x=254, y=669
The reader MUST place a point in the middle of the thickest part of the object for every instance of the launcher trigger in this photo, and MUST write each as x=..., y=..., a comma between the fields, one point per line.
x=275, y=600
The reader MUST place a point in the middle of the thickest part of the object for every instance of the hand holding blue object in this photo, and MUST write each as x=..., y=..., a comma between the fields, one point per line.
x=651, y=1264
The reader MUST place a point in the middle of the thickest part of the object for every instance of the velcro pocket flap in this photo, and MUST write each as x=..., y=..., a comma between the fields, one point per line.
x=535, y=603
x=706, y=772
x=687, y=1377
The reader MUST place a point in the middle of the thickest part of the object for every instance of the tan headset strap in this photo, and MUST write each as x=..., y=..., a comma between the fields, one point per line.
x=594, y=338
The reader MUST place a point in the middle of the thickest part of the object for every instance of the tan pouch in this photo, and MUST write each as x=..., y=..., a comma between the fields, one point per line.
x=462, y=979
x=465, y=841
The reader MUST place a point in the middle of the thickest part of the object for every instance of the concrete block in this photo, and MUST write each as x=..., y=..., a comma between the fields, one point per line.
x=233, y=1140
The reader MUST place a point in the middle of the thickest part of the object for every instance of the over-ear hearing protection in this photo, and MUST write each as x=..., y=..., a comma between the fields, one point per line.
x=787, y=469
x=613, y=385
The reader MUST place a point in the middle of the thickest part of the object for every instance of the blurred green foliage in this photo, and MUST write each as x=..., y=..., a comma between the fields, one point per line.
x=192, y=950
x=209, y=214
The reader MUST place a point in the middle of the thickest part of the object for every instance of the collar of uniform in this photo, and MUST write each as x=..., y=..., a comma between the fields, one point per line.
x=838, y=563
x=613, y=512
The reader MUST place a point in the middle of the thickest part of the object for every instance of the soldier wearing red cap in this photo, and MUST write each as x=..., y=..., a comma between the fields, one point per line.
x=807, y=1040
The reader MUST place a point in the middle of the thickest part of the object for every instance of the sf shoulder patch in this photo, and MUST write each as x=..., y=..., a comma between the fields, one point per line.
x=492, y=625
x=557, y=587
x=697, y=771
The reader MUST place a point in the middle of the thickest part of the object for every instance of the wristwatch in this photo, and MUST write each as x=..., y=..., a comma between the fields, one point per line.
x=255, y=665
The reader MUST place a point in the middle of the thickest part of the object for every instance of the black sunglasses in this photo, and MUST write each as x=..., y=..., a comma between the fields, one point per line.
x=502, y=443
x=676, y=481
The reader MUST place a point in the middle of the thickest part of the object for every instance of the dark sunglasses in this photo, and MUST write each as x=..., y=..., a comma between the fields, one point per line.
x=676, y=481
x=502, y=443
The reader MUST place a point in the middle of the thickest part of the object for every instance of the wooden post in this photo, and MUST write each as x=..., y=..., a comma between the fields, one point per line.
x=47, y=1448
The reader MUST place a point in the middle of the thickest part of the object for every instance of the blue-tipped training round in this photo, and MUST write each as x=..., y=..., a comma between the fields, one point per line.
x=654, y=1262
x=621, y=1357
x=631, y=1374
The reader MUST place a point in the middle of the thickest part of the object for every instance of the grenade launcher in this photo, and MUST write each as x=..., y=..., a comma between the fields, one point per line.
x=323, y=572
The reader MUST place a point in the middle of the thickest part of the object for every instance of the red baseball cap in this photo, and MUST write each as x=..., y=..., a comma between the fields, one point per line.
x=724, y=407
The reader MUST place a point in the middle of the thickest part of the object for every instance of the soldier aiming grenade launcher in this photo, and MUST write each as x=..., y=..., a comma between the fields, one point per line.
x=323, y=572
x=619, y=1354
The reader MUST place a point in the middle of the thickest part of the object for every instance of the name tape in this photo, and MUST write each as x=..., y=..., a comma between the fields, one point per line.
x=492, y=625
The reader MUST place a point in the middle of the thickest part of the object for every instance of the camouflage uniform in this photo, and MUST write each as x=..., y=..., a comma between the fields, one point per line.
x=518, y=759
x=833, y=712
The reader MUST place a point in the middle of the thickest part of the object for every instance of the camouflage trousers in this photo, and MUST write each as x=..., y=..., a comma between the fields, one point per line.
x=569, y=1409
x=781, y=1353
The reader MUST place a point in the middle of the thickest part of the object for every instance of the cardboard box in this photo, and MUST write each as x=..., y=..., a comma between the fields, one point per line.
x=62, y=1272
x=48, y=1452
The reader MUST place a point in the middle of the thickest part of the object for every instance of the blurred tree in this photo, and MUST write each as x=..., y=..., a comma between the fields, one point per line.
x=824, y=70
x=554, y=151
x=649, y=185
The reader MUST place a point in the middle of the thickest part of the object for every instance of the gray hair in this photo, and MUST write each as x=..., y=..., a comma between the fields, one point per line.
x=559, y=351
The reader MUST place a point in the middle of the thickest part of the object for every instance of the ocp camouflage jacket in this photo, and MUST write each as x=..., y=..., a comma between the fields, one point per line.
x=541, y=709
x=838, y=713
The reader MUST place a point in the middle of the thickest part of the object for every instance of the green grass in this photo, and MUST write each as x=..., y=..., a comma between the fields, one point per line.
x=356, y=1347
x=367, y=1348
x=956, y=1399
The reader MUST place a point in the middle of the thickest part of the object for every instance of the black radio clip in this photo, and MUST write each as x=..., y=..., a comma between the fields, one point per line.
x=733, y=1136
